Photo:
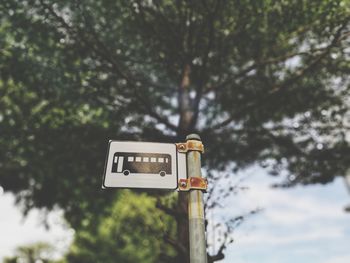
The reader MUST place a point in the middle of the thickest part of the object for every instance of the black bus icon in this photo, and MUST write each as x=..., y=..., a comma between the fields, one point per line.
x=141, y=163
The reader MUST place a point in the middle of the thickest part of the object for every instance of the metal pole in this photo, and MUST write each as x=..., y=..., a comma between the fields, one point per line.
x=347, y=183
x=198, y=253
x=347, y=180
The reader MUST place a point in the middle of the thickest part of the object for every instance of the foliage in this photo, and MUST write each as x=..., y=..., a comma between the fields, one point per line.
x=133, y=231
x=34, y=253
x=262, y=82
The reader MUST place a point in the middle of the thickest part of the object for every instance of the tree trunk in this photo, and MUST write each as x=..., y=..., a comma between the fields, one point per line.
x=182, y=228
x=184, y=101
x=185, y=120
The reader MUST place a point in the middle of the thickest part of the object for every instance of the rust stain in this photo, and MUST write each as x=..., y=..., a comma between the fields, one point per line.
x=193, y=183
x=199, y=205
x=195, y=206
x=191, y=145
x=190, y=215
x=196, y=157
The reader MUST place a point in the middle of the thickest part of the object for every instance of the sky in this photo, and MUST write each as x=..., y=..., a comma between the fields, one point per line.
x=301, y=224
x=17, y=230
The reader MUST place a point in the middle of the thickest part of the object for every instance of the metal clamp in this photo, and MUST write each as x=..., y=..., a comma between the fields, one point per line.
x=190, y=145
x=193, y=183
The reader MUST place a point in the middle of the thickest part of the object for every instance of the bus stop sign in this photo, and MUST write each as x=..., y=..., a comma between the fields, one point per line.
x=143, y=165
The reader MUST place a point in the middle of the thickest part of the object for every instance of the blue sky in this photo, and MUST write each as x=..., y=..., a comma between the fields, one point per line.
x=302, y=224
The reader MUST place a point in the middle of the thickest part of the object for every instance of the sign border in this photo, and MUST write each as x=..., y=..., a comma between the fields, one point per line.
x=157, y=189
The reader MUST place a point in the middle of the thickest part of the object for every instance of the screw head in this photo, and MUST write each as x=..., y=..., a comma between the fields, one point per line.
x=183, y=184
x=182, y=147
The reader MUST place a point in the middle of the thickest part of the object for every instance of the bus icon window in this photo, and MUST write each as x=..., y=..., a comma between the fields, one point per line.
x=141, y=163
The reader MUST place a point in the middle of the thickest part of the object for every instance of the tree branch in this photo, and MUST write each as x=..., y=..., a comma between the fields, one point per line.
x=219, y=255
x=178, y=246
x=203, y=72
x=152, y=113
x=103, y=52
x=324, y=51
x=167, y=210
x=278, y=88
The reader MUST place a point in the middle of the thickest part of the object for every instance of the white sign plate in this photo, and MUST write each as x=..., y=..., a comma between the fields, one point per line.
x=143, y=165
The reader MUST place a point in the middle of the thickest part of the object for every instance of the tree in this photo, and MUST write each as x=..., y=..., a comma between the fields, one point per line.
x=262, y=82
x=133, y=231
x=37, y=252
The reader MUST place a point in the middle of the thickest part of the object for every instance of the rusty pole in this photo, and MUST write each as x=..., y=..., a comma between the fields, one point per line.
x=198, y=253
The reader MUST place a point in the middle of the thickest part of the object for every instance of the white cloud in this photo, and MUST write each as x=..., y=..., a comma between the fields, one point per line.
x=338, y=259
x=287, y=206
x=16, y=230
x=275, y=238
x=302, y=224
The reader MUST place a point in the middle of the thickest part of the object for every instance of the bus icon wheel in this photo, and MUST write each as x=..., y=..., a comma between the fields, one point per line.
x=126, y=172
x=162, y=173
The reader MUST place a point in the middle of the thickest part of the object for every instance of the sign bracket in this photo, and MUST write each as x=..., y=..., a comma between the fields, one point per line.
x=190, y=145
x=193, y=183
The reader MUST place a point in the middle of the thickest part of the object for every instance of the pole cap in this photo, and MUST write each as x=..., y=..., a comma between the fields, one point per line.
x=193, y=136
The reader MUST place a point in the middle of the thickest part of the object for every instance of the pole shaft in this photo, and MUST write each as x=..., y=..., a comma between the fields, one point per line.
x=197, y=238
x=347, y=180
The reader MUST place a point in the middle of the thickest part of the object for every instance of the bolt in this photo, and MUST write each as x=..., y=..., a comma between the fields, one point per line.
x=183, y=184
x=182, y=147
